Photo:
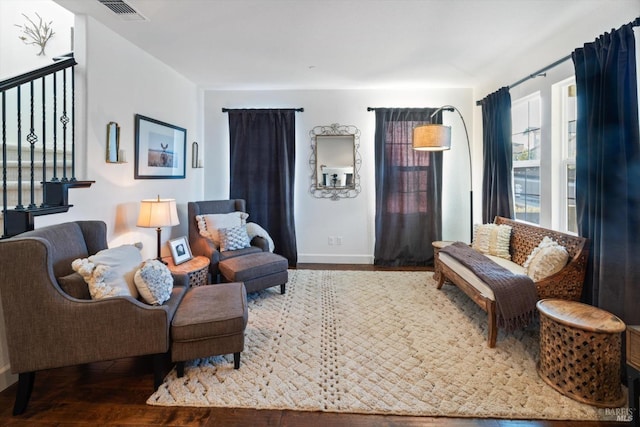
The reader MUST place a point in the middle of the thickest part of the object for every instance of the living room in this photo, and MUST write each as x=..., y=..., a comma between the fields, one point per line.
x=117, y=79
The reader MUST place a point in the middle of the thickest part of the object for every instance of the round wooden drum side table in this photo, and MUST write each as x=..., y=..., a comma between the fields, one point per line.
x=580, y=352
x=197, y=268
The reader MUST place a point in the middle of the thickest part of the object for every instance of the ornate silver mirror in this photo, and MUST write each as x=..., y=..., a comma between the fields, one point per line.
x=335, y=161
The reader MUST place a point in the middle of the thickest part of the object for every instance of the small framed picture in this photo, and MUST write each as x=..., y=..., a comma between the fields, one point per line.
x=180, y=250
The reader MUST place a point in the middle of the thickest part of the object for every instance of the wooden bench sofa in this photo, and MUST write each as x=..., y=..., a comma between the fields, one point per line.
x=565, y=284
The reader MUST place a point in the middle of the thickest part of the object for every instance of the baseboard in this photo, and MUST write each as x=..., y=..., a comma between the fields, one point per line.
x=334, y=259
x=6, y=377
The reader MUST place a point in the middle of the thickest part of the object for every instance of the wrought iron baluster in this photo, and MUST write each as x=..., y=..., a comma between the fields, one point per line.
x=32, y=138
x=73, y=124
x=65, y=120
x=44, y=142
x=54, y=177
x=19, y=147
x=4, y=162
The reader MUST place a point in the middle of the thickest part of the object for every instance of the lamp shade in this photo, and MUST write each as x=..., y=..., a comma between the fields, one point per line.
x=432, y=137
x=156, y=213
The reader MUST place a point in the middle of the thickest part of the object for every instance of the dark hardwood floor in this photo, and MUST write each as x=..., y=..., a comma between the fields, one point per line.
x=114, y=394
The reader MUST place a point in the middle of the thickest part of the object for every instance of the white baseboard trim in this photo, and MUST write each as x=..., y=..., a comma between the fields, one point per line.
x=334, y=259
x=6, y=377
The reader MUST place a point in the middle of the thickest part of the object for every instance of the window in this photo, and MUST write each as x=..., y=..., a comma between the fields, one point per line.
x=410, y=170
x=526, y=121
x=568, y=165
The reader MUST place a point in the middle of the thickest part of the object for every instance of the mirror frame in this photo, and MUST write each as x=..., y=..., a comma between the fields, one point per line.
x=113, y=143
x=335, y=193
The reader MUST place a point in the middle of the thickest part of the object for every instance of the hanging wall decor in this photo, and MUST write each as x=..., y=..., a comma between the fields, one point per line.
x=335, y=161
x=36, y=34
x=196, y=161
x=160, y=151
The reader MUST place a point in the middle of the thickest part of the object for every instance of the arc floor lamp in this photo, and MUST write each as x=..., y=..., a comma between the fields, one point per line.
x=437, y=137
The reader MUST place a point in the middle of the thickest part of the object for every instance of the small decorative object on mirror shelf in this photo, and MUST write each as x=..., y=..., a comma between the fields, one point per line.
x=36, y=34
x=196, y=161
x=161, y=149
x=335, y=161
x=180, y=250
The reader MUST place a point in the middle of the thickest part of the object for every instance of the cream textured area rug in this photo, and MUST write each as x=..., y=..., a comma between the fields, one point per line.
x=375, y=343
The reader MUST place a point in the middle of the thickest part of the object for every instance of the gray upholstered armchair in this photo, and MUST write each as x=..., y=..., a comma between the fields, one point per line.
x=204, y=247
x=48, y=328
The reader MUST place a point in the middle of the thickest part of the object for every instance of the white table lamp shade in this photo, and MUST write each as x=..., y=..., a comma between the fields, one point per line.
x=155, y=213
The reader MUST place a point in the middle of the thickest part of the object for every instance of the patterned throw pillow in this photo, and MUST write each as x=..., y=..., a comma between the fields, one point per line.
x=492, y=239
x=546, y=259
x=154, y=282
x=234, y=238
x=210, y=224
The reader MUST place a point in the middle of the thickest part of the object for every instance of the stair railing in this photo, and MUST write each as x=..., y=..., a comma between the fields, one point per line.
x=46, y=95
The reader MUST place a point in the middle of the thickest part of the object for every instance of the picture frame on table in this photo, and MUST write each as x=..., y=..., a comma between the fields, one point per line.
x=160, y=149
x=180, y=250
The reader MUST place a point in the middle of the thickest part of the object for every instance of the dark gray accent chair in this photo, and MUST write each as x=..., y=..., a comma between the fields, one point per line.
x=201, y=246
x=50, y=327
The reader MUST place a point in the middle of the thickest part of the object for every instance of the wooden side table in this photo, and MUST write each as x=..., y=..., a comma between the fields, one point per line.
x=633, y=372
x=437, y=245
x=580, y=352
x=197, y=268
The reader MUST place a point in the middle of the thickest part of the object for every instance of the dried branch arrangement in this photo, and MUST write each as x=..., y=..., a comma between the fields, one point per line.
x=36, y=34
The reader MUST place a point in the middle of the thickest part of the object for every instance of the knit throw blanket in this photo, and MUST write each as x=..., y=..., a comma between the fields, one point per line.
x=515, y=294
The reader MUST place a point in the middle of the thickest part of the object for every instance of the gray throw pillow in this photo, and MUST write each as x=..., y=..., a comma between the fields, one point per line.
x=234, y=238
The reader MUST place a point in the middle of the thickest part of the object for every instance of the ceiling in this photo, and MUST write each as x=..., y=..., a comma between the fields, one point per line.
x=351, y=44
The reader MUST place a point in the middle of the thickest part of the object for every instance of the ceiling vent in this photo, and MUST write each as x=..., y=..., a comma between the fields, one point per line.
x=123, y=10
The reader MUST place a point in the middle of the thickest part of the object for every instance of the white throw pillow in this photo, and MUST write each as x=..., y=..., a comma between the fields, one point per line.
x=154, y=282
x=209, y=224
x=492, y=239
x=233, y=238
x=546, y=259
x=110, y=272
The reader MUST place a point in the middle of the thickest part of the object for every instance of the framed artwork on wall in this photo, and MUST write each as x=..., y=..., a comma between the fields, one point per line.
x=160, y=151
x=180, y=250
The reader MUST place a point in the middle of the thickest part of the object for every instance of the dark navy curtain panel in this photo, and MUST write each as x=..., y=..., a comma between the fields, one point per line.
x=262, y=169
x=608, y=171
x=497, y=193
x=408, y=188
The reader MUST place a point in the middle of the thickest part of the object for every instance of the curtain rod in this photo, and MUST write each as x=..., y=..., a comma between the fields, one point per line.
x=226, y=110
x=407, y=108
x=541, y=71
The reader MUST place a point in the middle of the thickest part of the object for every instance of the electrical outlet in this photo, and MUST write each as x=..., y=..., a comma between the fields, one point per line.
x=339, y=240
x=331, y=239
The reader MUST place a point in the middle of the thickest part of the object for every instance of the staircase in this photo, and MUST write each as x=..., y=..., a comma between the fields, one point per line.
x=38, y=147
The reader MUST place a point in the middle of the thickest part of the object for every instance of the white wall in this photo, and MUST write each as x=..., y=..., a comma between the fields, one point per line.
x=114, y=81
x=17, y=57
x=352, y=219
x=119, y=81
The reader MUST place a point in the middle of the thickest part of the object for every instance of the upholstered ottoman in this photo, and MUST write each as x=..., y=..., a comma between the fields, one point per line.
x=209, y=321
x=258, y=271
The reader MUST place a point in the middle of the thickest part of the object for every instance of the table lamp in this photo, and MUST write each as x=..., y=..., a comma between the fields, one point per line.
x=158, y=213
